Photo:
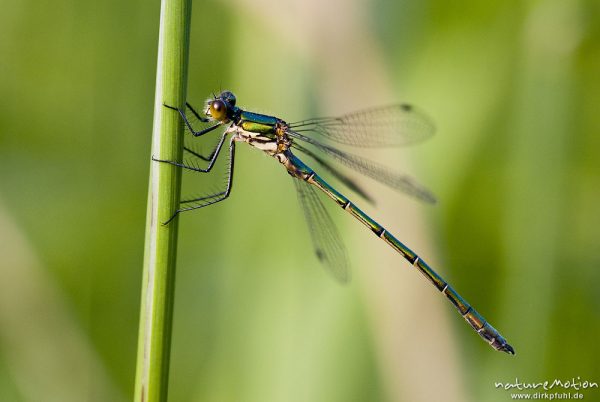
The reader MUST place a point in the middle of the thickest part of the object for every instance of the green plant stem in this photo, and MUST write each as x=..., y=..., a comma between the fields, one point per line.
x=156, y=310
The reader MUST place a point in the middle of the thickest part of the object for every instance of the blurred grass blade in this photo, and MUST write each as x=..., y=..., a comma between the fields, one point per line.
x=163, y=199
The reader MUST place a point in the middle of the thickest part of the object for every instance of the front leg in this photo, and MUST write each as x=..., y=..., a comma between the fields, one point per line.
x=189, y=125
x=202, y=119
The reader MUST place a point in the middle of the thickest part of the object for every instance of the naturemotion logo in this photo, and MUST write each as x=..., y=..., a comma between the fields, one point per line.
x=548, y=389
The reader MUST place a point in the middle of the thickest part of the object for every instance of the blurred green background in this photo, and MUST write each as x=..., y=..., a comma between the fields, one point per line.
x=514, y=89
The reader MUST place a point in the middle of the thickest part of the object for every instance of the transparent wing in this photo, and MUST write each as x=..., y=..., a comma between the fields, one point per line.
x=343, y=178
x=325, y=237
x=394, y=125
x=378, y=172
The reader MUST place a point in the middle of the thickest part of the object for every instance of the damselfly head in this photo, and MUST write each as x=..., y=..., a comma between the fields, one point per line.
x=219, y=107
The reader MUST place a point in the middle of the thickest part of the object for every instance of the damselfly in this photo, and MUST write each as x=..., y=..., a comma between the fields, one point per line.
x=379, y=127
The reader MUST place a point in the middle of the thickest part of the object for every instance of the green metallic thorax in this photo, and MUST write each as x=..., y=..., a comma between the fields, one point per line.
x=257, y=123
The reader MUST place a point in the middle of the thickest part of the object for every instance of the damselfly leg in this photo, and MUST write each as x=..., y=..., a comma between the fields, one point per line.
x=196, y=114
x=198, y=155
x=210, y=199
x=189, y=125
x=211, y=162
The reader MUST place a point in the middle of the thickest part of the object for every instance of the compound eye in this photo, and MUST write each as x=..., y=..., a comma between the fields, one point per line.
x=218, y=110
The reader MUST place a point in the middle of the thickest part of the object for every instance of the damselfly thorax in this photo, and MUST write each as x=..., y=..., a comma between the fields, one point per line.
x=273, y=140
x=267, y=133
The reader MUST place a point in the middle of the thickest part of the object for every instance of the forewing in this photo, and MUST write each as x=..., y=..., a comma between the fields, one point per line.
x=394, y=125
x=324, y=235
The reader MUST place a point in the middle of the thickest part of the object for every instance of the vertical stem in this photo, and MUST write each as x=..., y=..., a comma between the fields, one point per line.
x=156, y=309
